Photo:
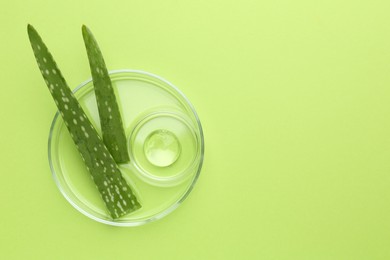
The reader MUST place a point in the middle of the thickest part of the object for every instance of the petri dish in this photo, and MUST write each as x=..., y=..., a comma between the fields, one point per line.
x=165, y=143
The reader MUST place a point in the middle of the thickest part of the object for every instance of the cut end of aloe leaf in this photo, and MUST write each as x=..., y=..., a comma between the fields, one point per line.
x=117, y=195
x=110, y=118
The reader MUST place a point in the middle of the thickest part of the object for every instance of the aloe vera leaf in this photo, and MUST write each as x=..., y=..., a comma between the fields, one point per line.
x=117, y=195
x=110, y=117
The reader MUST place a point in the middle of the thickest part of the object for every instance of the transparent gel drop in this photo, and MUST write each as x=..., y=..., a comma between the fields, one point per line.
x=162, y=148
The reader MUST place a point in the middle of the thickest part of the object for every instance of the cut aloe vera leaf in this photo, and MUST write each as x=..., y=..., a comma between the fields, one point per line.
x=117, y=195
x=110, y=117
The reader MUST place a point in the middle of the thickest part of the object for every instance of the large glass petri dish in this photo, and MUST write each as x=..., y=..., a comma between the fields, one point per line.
x=165, y=144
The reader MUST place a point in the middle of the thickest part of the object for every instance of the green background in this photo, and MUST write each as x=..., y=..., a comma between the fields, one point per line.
x=294, y=97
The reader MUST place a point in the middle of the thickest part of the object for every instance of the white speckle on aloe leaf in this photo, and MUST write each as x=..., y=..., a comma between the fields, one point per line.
x=119, y=206
x=104, y=169
x=73, y=112
x=66, y=107
x=86, y=135
x=81, y=118
x=65, y=99
x=62, y=114
x=110, y=117
x=106, y=103
x=83, y=128
x=47, y=72
x=74, y=121
x=105, y=155
x=38, y=47
x=124, y=188
x=97, y=164
x=54, y=71
x=132, y=202
x=101, y=161
x=105, y=183
x=95, y=149
x=109, y=109
x=44, y=60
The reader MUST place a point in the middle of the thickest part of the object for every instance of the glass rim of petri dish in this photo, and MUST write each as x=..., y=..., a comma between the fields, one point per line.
x=70, y=195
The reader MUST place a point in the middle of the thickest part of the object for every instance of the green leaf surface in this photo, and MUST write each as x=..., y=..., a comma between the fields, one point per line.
x=119, y=198
x=110, y=117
